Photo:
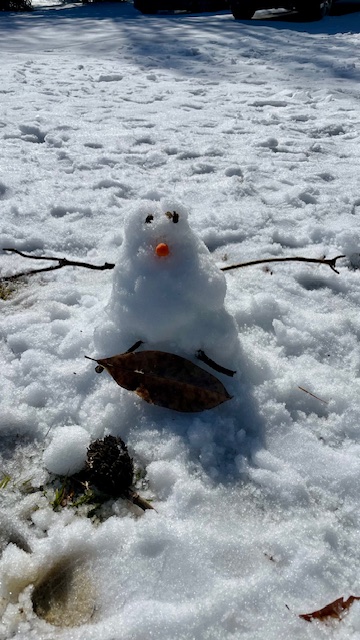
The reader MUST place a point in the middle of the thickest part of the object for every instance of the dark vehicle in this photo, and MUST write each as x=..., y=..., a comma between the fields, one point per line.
x=195, y=6
x=308, y=9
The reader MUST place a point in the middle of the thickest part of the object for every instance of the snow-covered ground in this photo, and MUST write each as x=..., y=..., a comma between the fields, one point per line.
x=252, y=129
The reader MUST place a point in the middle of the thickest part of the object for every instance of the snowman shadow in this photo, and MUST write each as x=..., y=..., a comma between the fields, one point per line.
x=221, y=441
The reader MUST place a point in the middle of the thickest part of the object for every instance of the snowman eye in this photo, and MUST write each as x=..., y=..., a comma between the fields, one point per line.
x=172, y=216
x=149, y=218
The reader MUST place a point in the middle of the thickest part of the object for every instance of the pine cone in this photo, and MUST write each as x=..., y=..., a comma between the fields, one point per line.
x=109, y=466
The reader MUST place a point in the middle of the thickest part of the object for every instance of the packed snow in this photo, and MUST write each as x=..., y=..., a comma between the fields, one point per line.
x=249, y=131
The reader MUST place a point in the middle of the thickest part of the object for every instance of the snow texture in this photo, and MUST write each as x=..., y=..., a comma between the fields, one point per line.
x=66, y=454
x=249, y=131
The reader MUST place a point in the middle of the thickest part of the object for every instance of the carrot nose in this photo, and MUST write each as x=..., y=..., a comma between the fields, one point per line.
x=162, y=250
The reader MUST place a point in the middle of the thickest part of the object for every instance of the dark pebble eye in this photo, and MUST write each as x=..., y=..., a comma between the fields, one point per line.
x=99, y=369
x=172, y=215
x=149, y=218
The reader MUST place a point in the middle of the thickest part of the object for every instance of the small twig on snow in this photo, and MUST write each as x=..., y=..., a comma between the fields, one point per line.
x=313, y=395
x=331, y=262
x=134, y=497
x=62, y=262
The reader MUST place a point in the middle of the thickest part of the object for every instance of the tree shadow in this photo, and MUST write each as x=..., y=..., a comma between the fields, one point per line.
x=181, y=41
x=124, y=11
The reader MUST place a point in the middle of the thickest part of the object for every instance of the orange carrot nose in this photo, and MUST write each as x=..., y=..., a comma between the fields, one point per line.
x=162, y=250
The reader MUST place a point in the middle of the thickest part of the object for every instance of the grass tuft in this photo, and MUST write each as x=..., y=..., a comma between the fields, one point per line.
x=4, y=481
x=7, y=290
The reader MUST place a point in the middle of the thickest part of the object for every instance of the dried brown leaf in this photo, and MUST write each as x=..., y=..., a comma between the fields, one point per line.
x=335, y=610
x=167, y=380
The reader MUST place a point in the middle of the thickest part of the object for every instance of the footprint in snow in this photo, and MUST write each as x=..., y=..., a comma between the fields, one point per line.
x=32, y=133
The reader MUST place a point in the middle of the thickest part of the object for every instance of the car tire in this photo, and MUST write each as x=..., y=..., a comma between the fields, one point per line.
x=242, y=9
x=148, y=7
x=314, y=9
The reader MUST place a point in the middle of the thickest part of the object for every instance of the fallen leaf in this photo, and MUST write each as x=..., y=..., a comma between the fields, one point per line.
x=333, y=610
x=166, y=379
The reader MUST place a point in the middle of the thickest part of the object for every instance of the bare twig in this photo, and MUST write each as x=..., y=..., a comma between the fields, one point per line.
x=61, y=262
x=331, y=262
x=134, y=497
x=313, y=395
x=64, y=262
x=201, y=355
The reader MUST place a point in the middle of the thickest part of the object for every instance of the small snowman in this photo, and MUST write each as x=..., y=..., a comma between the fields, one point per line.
x=167, y=291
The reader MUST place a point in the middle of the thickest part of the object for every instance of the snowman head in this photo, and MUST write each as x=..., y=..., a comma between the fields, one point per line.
x=165, y=278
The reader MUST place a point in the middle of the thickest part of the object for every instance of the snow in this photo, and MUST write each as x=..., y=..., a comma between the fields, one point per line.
x=250, y=131
x=66, y=454
x=175, y=300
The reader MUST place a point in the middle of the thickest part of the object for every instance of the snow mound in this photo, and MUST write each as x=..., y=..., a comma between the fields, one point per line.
x=66, y=453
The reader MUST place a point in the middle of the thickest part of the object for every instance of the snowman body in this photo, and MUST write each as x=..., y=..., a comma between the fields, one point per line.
x=173, y=302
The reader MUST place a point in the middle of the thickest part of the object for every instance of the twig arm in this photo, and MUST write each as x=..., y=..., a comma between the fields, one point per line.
x=28, y=255
x=331, y=262
x=62, y=262
x=30, y=272
x=201, y=355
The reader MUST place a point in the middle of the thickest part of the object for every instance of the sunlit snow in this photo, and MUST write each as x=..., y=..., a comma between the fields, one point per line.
x=250, y=132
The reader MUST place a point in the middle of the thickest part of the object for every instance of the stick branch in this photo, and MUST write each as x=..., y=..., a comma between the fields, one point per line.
x=61, y=262
x=330, y=262
x=64, y=262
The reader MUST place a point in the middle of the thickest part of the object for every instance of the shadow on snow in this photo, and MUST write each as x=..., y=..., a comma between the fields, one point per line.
x=168, y=40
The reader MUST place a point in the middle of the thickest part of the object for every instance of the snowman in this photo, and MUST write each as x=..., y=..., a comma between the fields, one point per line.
x=167, y=291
